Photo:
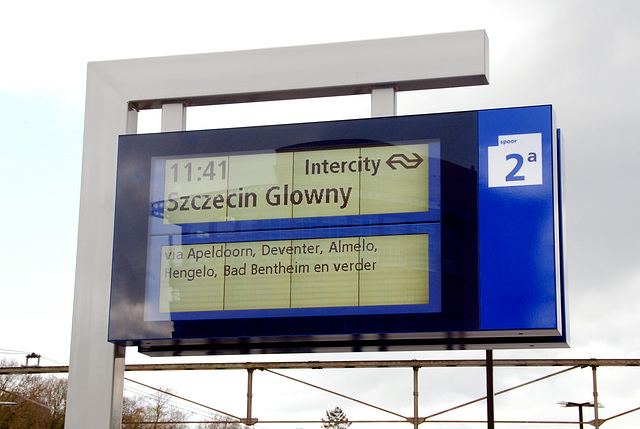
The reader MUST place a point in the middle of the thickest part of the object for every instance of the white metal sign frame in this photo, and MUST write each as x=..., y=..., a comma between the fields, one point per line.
x=116, y=90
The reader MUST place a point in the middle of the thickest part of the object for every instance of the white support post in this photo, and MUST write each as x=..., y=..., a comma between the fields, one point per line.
x=116, y=88
x=132, y=121
x=383, y=102
x=174, y=117
x=117, y=387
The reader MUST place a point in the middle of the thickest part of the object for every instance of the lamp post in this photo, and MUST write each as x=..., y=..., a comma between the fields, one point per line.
x=580, y=405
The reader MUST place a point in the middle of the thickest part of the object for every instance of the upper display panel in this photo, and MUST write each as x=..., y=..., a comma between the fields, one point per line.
x=228, y=191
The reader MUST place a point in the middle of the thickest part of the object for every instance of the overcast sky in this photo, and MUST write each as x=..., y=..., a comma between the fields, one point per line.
x=581, y=56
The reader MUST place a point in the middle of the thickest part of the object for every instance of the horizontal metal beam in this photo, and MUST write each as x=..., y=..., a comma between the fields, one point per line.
x=341, y=364
x=388, y=364
x=319, y=422
x=404, y=63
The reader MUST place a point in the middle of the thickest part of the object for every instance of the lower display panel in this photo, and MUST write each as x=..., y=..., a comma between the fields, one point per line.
x=353, y=272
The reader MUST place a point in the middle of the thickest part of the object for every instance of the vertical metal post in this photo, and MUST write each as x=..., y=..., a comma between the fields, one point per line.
x=580, y=416
x=132, y=121
x=174, y=117
x=490, y=395
x=596, y=422
x=249, y=395
x=117, y=388
x=416, y=421
x=383, y=102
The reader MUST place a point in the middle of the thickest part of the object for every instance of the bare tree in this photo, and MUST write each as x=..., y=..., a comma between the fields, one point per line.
x=221, y=422
x=40, y=401
x=153, y=412
x=133, y=413
x=8, y=381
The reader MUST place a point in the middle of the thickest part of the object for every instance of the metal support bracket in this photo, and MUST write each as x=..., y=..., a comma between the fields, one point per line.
x=250, y=421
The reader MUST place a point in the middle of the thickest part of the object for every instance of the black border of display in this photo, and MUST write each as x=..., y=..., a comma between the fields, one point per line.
x=457, y=133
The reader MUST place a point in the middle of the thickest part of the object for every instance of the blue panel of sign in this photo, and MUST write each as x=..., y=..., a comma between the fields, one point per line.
x=517, y=231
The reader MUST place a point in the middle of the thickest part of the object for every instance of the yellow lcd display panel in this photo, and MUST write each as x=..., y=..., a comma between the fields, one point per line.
x=355, y=271
x=349, y=181
x=204, y=266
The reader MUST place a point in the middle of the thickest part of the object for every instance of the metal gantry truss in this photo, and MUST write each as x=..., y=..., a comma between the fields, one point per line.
x=416, y=365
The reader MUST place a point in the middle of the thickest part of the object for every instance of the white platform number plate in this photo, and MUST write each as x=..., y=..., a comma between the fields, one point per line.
x=516, y=161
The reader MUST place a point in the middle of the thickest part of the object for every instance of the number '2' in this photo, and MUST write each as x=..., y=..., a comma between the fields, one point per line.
x=511, y=177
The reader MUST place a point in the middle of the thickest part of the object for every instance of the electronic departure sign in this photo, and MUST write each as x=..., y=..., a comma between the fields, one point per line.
x=393, y=233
